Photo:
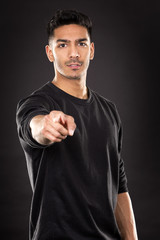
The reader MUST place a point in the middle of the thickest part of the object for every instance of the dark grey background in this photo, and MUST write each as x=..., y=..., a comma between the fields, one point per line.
x=125, y=70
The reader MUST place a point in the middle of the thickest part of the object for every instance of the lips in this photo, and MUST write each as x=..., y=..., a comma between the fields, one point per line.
x=74, y=65
x=71, y=65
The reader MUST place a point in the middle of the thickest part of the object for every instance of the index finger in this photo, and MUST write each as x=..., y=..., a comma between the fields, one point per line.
x=70, y=124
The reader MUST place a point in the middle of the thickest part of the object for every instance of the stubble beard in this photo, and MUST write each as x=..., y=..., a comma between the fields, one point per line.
x=72, y=77
x=76, y=77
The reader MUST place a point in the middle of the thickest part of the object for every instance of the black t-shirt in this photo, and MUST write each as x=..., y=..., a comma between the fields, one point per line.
x=75, y=182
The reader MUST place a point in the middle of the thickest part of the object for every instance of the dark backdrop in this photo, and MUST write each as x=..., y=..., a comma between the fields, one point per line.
x=125, y=70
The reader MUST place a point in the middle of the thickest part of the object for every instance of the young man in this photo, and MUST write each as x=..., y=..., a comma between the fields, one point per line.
x=72, y=141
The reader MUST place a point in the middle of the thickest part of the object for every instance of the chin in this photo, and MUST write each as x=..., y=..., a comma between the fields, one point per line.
x=73, y=77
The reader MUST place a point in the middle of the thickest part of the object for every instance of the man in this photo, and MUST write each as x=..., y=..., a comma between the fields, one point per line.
x=72, y=140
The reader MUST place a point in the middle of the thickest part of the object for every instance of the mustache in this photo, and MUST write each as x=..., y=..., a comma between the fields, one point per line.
x=73, y=61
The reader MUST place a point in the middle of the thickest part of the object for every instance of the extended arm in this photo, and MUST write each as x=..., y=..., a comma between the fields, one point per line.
x=125, y=217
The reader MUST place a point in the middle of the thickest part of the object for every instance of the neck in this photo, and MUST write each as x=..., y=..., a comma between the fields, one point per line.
x=74, y=87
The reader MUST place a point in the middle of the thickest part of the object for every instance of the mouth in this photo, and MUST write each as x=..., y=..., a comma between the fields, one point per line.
x=74, y=65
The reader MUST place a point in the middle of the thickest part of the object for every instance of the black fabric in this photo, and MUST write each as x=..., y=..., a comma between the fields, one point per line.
x=75, y=183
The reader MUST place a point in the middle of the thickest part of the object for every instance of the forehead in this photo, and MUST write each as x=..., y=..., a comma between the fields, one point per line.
x=71, y=31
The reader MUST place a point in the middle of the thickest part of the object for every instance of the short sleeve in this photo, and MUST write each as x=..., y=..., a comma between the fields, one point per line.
x=27, y=109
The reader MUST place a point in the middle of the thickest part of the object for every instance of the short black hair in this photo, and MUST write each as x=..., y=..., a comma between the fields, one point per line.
x=65, y=17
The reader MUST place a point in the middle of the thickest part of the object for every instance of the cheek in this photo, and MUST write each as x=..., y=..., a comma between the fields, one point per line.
x=87, y=56
x=58, y=61
x=58, y=55
x=87, y=59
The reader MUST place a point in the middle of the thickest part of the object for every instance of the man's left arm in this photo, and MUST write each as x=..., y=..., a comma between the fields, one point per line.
x=125, y=217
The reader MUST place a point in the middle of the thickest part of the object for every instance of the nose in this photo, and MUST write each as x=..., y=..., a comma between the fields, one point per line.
x=74, y=53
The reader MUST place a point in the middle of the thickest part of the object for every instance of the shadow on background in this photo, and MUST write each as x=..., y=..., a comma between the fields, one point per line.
x=125, y=70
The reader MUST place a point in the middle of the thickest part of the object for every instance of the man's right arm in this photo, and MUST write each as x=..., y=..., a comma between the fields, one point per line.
x=51, y=128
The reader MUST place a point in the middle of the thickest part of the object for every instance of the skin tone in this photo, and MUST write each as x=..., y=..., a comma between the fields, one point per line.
x=125, y=217
x=70, y=50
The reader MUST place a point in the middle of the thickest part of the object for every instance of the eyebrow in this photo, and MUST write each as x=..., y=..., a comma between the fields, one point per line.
x=66, y=41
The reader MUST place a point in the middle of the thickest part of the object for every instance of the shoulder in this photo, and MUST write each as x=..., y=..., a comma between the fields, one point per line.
x=43, y=91
x=41, y=96
x=101, y=99
x=107, y=105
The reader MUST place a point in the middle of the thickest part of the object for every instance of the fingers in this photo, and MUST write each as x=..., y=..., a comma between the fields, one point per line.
x=66, y=120
x=53, y=135
x=55, y=132
x=70, y=124
x=58, y=117
x=57, y=126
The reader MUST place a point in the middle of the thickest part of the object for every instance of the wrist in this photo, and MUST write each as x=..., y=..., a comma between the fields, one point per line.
x=130, y=236
x=36, y=126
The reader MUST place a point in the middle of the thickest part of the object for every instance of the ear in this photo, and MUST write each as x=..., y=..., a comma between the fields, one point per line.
x=92, y=50
x=49, y=53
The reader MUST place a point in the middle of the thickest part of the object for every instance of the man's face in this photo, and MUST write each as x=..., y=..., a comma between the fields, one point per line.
x=71, y=51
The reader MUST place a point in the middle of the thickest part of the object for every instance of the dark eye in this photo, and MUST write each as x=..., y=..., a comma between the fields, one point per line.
x=62, y=45
x=82, y=44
